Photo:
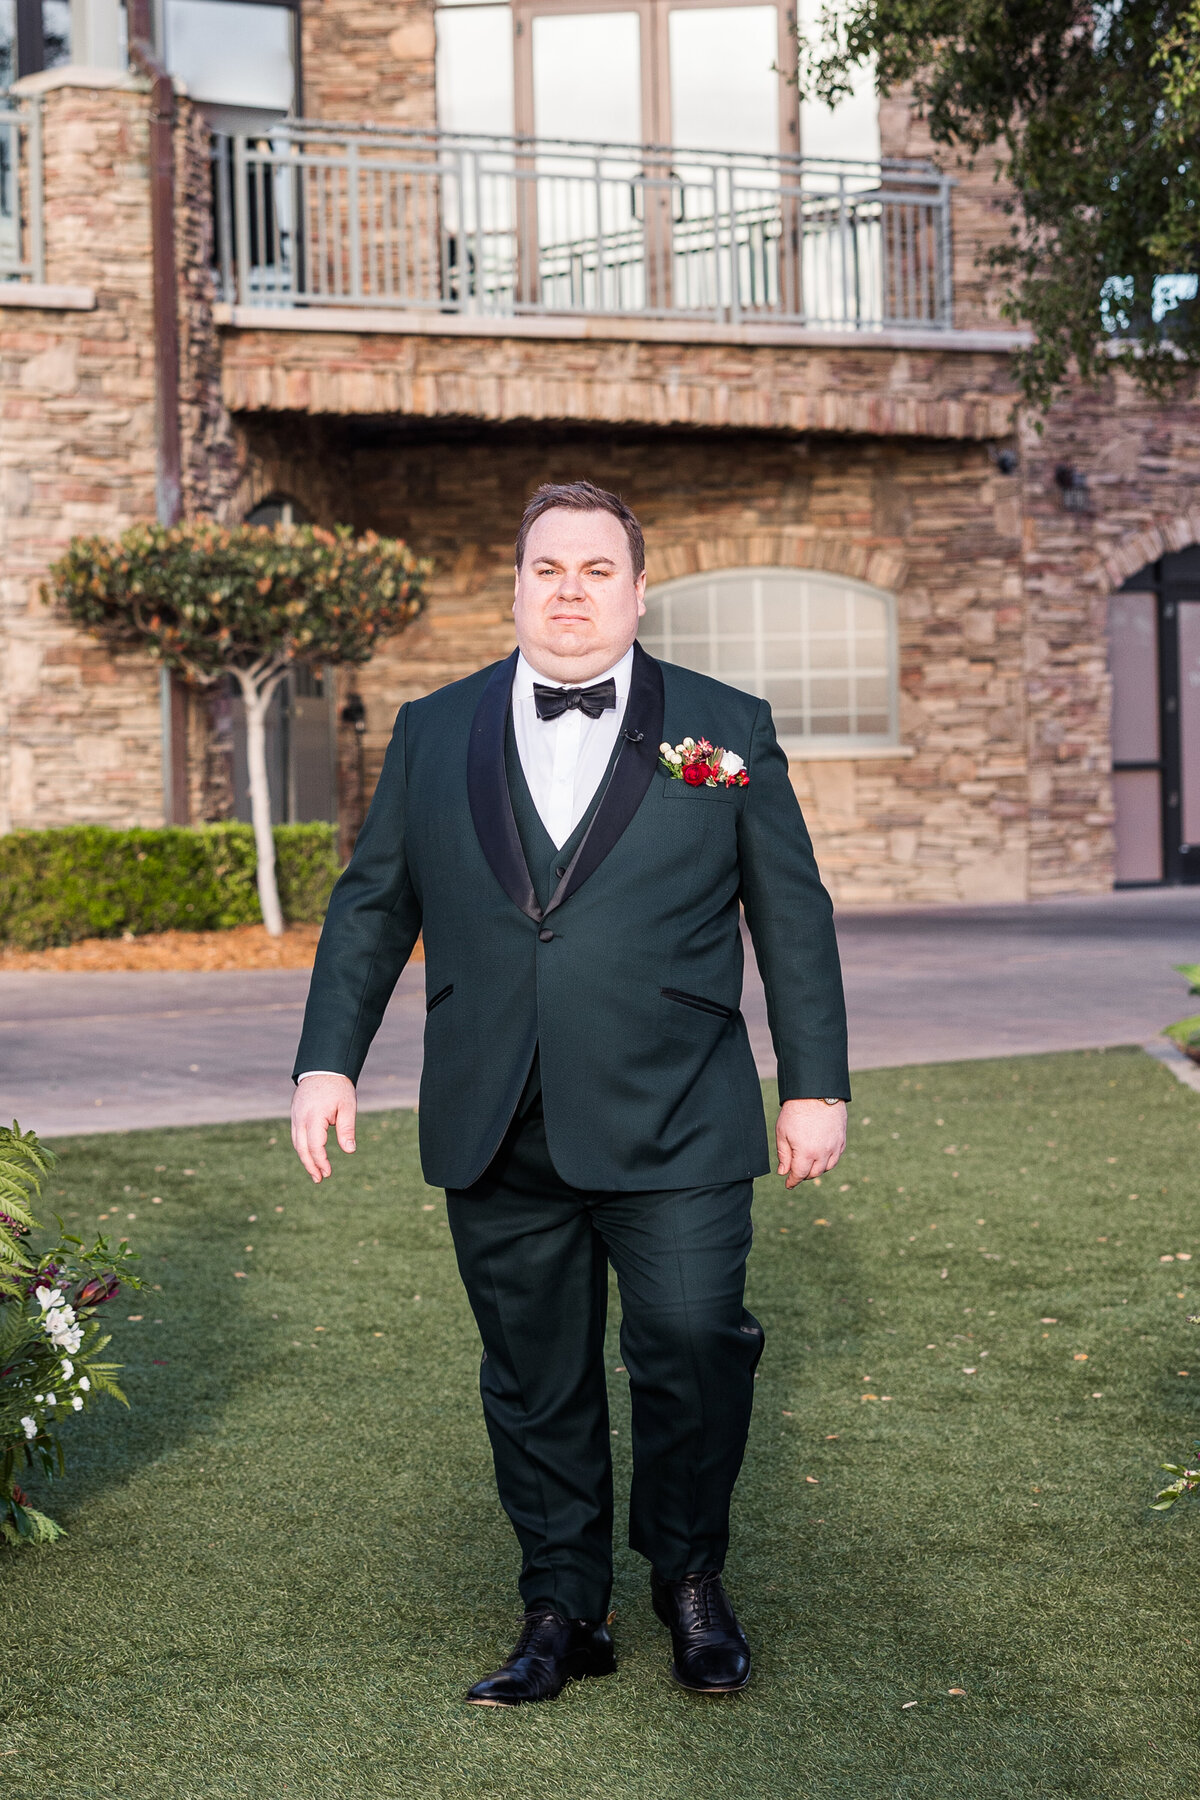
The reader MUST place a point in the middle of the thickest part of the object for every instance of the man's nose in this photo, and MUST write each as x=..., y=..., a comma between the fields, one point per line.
x=571, y=588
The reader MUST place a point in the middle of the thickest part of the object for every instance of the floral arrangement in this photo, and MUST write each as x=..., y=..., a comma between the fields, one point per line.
x=702, y=764
x=50, y=1343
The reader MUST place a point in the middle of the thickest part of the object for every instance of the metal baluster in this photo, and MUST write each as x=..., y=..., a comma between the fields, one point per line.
x=354, y=220
x=241, y=219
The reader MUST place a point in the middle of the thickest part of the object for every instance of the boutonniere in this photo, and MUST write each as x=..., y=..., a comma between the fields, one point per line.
x=702, y=764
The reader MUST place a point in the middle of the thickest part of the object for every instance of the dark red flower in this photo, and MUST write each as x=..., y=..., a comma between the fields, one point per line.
x=99, y=1289
x=696, y=774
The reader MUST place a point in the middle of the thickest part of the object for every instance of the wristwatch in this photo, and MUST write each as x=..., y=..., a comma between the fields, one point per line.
x=835, y=1101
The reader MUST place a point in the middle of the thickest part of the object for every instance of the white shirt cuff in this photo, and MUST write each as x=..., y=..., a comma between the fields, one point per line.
x=309, y=1072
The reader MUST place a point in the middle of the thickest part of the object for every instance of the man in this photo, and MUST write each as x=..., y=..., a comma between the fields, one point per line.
x=589, y=1094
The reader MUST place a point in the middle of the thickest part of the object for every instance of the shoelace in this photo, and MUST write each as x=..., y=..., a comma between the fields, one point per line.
x=700, y=1596
x=530, y=1631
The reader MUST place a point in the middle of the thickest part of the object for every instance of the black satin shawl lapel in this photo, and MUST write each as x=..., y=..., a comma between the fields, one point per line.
x=632, y=774
x=488, y=795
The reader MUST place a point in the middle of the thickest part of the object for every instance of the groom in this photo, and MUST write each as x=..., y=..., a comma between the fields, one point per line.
x=589, y=1095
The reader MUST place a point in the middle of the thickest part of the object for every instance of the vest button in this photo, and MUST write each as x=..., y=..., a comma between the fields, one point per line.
x=545, y=937
x=560, y=871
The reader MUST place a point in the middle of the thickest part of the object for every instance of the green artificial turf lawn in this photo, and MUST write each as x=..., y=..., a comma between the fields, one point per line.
x=287, y=1562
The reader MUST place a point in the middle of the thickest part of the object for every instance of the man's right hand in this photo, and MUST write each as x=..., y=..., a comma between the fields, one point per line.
x=319, y=1102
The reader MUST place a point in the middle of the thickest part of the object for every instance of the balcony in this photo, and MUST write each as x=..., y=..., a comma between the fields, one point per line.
x=437, y=225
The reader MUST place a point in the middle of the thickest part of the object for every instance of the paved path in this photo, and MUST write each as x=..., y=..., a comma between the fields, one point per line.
x=111, y=1052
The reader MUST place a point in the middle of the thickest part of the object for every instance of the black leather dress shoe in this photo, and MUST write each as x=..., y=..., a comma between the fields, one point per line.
x=550, y=1652
x=711, y=1652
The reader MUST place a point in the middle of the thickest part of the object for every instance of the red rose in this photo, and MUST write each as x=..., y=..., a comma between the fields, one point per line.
x=696, y=774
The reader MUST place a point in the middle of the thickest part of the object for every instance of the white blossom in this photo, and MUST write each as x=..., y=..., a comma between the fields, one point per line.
x=39, y=1399
x=688, y=744
x=68, y=1368
x=47, y=1297
x=732, y=763
x=51, y=1399
x=77, y=1403
x=29, y=1426
x=62, y=1330
x=85, y=1384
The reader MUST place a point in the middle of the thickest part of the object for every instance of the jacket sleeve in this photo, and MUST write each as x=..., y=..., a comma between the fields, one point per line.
x=790, y=917
x=370, y=928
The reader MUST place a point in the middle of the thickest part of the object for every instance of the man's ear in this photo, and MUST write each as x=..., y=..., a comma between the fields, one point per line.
x=639, y=588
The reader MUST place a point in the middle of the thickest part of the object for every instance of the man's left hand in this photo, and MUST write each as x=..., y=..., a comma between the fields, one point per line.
x=810, y=1138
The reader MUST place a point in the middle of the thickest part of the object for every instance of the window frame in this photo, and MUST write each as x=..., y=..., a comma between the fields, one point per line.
x=799, y=745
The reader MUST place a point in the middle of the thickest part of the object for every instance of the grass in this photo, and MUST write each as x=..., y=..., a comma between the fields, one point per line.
x=287, y=1562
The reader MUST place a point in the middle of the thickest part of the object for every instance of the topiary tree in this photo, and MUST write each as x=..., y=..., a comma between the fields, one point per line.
x=250, y=601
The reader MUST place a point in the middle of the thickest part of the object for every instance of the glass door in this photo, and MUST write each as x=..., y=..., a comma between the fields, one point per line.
x=1154, y=658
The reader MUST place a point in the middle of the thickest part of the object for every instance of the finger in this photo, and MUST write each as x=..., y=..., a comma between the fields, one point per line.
x=300, y=1145
x=345, y=1124
x=318, y=1129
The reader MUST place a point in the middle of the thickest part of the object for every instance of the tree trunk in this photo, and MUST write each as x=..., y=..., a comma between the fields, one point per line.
x=257, y=700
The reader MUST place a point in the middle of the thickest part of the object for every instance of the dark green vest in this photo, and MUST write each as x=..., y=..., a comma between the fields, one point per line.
x=546, y=864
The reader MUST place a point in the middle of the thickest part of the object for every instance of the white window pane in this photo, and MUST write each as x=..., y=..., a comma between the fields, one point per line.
x=831, y=684
x=8, y=43
x=850, y=130
x=587, y=79
x=231, y=54
x=736, y=655
x=475, y=70
x=724, y=89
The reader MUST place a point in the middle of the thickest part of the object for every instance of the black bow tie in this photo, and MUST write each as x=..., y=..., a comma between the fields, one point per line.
x=552, y=702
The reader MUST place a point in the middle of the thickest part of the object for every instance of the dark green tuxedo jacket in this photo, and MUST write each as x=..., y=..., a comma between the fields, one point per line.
x=626, y=977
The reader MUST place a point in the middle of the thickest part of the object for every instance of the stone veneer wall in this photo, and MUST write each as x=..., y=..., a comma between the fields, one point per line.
x=77, y=455
x=1142, y=464
x=369, y=60
x=80, y=730
x=933, y=522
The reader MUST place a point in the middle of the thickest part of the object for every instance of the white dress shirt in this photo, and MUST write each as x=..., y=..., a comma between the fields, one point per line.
x=564, y=759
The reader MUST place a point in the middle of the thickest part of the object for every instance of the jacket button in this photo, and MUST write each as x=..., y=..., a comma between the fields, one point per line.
x=545, y=937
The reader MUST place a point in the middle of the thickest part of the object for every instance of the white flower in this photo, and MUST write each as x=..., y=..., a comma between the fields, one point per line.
x=51, y=1399
x=29, y=1426
x=85, y=1384
x=77, y=1403
x=62, y=1330
x=39, y=1399
x=731, y=763
x=688, y=744
x=48, y=1297
x=68, y=1368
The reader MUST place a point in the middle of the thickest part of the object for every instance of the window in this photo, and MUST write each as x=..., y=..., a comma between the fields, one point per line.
x=684, y=72
x=820, y=648
x=34, y=35
x=237, y=57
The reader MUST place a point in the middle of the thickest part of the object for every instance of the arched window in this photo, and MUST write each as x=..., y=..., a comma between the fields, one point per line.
x=820, y=648
x=277, y=509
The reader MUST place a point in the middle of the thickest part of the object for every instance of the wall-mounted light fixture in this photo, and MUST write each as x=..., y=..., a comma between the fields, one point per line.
x=1073, y=488
x=1006, y=461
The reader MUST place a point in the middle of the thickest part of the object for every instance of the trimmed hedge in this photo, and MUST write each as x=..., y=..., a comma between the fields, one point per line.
x=78, y=881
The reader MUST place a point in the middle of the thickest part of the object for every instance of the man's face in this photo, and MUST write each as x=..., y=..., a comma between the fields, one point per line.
x=577, y=601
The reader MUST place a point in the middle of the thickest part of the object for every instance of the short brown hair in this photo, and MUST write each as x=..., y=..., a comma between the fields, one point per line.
x=581, y=496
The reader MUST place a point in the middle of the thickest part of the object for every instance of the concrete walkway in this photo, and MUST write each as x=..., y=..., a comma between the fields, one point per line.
x=114, y=1052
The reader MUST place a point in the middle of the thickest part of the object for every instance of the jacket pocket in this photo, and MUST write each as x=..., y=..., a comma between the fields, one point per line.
x=698, y=1003
x=442, y=994
x=674, y=789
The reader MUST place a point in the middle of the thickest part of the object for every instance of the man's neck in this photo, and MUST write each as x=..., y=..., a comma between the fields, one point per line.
x=572, y=671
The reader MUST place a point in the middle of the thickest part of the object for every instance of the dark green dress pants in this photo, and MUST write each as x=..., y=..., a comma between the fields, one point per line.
x=534, y=1253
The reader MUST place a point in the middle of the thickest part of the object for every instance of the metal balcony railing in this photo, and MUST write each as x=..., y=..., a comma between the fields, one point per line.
x=323, y=215
x=22, y=253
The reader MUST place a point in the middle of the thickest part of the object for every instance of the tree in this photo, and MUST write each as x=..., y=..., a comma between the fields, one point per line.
x=253, y=602
x=1094, y=108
